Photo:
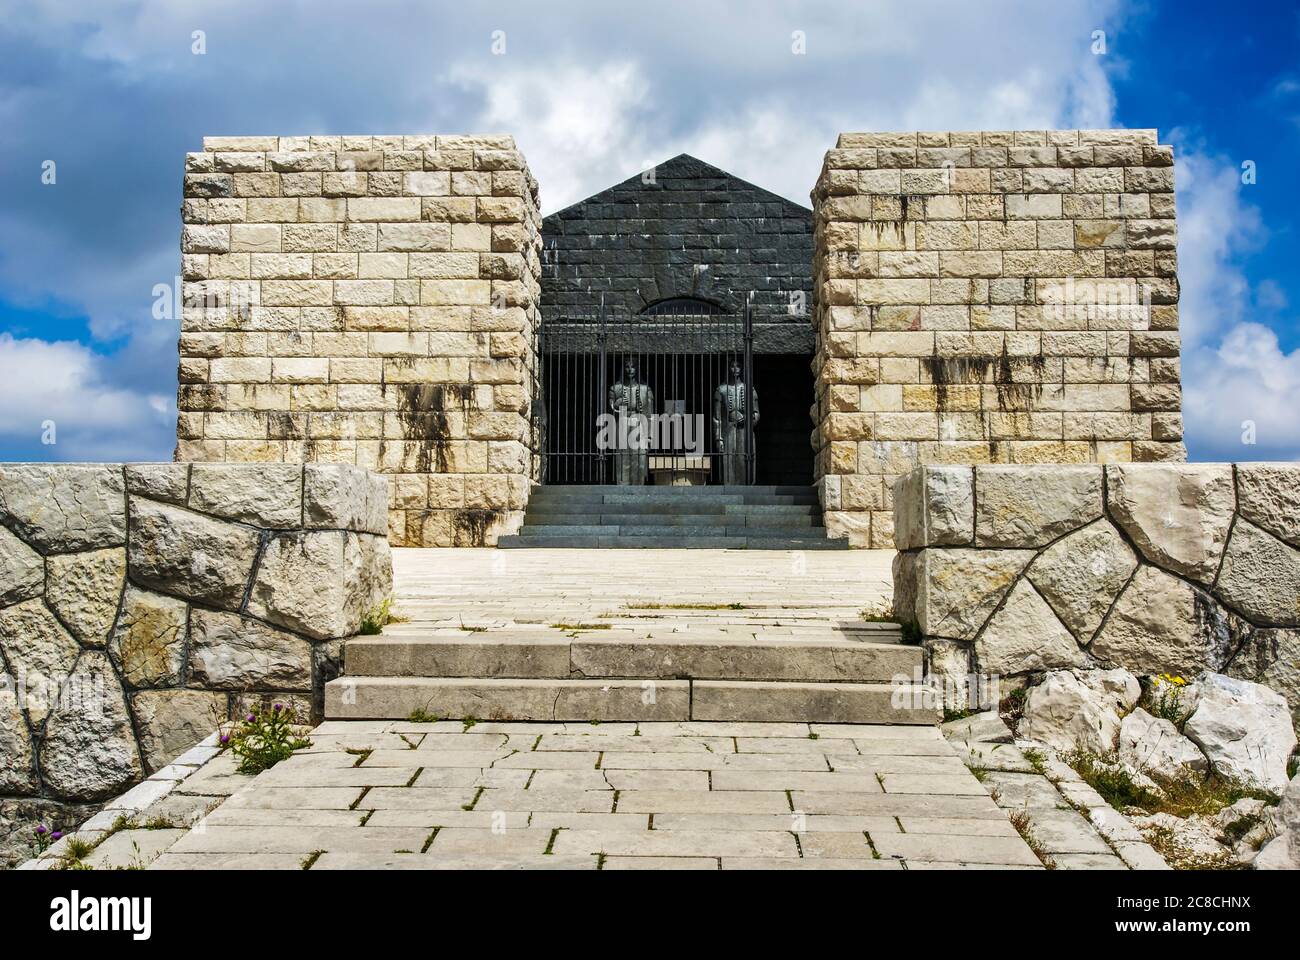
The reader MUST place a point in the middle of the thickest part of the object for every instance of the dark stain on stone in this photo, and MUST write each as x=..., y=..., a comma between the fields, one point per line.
x=422, y=409
x=1219, y=633
x=1016, y=391
x=470, y=527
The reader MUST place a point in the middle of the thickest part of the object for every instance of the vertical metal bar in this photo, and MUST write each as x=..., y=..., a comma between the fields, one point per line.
x=602, y=387
x=749, y=389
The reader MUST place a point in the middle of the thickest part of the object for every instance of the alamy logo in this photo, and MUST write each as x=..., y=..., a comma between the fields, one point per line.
x=72, y=914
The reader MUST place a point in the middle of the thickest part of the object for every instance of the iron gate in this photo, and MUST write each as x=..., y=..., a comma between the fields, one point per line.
x=680, y=351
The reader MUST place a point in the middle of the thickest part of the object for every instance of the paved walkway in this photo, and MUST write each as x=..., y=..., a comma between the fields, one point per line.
x=697, y=795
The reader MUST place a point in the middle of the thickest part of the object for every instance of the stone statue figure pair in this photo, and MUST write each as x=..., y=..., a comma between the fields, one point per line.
x=734, y=404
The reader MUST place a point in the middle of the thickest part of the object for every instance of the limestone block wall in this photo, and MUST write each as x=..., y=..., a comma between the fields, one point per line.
x=1157, y=568
x=369, y=301
x=142, y=604
x=990, y=297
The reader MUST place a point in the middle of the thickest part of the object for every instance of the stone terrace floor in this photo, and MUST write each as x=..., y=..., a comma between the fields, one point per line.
x=402, y=794
x=500, y=587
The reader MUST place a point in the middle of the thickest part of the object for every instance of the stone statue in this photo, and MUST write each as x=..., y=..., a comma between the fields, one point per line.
x=734, y=403
x=633, y=403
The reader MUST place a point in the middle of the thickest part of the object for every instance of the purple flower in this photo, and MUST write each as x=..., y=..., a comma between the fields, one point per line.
x=41, y=830
x=56, y=835
x=225, y=738
x=276, y=708
x=250, y=718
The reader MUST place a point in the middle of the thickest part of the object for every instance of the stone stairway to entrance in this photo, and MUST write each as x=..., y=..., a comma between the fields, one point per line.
x=730, y=517
x=594, y=635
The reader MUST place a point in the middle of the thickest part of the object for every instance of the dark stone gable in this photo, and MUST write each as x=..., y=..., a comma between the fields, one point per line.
x=697, y=231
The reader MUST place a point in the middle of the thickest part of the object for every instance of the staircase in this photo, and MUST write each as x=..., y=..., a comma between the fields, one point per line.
x=701, y=667
x=720, y=517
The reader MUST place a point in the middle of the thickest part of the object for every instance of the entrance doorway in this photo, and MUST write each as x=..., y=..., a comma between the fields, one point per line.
x=631, y=399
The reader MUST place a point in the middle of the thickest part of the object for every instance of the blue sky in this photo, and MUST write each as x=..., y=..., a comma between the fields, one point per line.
x=113, y=93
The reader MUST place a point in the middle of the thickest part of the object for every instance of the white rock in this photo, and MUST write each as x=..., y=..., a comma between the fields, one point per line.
x=1244, y=729
x=64, y=506
x=1067, y=713
x=1183, y=839
x=89, y=751
x=230, y=652
x=1268, y=495
x=41, y=654
x=191, y=555
x=955, y=590
x=1155, y=747
x=264, y=494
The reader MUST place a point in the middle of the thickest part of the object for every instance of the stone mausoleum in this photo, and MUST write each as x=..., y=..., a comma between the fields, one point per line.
x=398, y=303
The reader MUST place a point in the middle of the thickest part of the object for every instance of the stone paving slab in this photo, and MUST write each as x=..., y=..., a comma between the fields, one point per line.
x=735, y=843
x=690, y=760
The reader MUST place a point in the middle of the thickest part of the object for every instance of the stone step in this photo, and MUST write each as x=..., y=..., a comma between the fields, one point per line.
x=676, y=543
x=684, y=511
x=699, y=529
x=789, y=702
x=553, y=654
x=457, y=698
x=397, y=698
x=561, y=518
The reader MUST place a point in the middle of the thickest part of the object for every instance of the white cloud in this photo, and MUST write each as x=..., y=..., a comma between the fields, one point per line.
x=1235, y=373
x=63, y=382
x=1244, y=390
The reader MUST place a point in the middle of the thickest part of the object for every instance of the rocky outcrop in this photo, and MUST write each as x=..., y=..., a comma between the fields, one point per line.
x=1271, y=657
x=1244, y=729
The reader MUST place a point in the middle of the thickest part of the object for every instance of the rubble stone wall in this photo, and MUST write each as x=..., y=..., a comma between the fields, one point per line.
x=369, y=301
x=990, y=297
x=142, y=604
x=1156, y=568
